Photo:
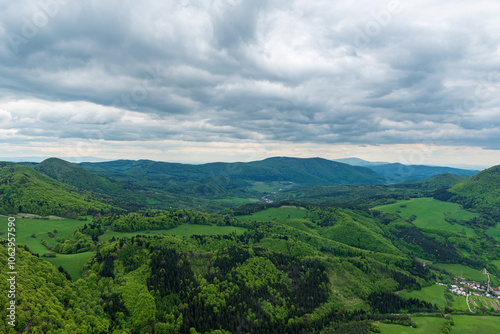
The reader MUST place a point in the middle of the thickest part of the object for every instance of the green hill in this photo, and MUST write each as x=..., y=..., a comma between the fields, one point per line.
x=397, y=173
x=77, y=176
x=481, y=191
x=220, y=180
x=442, y=181
x=22, y=189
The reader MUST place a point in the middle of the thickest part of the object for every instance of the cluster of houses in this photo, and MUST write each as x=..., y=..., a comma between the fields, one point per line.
x=463, y=288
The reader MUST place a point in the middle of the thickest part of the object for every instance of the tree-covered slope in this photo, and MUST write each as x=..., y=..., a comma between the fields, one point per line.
x=481, y=191
x=22, y=189
x=300, y=171
x=442, y=181
x=45, y=301
x=397, y=173
x=77, y=176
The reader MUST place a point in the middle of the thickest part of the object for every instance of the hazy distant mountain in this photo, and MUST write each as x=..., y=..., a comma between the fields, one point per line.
x=301, y=172
x=397, y=173
x=359, y=162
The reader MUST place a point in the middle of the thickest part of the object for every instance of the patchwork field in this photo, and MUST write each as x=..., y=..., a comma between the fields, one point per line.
x=431, y=213
x=433, y=294
x=26, y=228
x=478, y=303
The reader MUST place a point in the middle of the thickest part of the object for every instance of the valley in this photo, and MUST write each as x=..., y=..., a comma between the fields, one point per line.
x=282, y=245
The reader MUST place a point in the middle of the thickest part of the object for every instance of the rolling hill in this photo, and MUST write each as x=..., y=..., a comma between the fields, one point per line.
x=397, y=173
x=481, y=191
x=231, y=177
x=22, y=189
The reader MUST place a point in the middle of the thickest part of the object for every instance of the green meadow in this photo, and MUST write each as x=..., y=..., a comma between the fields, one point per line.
x=433, y=294
x=282, y=213
x=72, y=263
x=475, y=325
x=468, y=272
x=26, y=227
x=431, y=213
x=425, y=325
x=494, y=232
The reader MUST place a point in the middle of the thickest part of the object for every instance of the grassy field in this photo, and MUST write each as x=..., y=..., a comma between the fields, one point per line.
x=494, y=232
x=431, y=213
x=181, y=231
x=468, y=272
x=425, y=325
x=460, y=303
x=433, y=294
x=72, y=263
x=475, y=325
x=282, y=213
x=496, y=263
x=26, y=227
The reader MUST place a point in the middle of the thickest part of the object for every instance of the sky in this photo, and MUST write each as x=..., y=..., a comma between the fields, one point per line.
x=416, y=82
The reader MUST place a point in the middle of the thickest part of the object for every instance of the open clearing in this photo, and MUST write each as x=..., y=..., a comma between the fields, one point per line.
x=433, y=294
x=468, y=272
x=475, y=325
x=431, y=213
x=494, y=232
x=425, y=325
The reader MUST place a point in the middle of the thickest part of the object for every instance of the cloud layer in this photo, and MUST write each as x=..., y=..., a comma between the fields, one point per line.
x=235, y=71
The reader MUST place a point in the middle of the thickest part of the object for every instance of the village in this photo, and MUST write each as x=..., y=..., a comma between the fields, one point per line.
x=464, y=288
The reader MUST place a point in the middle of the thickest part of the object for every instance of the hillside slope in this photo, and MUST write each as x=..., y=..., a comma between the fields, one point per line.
x=79, y=177
x=22, y=189
x=397, y=173
x=481, y=191
x=230, y=176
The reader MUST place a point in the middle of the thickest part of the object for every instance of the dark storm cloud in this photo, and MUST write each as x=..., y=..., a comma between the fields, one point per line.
x=382, y=72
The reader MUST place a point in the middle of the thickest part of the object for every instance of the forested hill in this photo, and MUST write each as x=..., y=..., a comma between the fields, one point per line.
x=396, y=172
x=481, y=191
x=77, y=176
x=22, y=189
x=311, y=171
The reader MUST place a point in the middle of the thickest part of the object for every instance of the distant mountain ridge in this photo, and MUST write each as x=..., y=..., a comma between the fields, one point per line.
x=302, y=171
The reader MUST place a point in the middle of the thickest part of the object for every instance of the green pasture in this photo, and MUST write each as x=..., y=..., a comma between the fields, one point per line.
x=431, y=213
x=468, y=272
x=425, y=325
x=475, y=325
x=72, y=263
x=494, y=232
x=433, y=294
x=40, y=227
x=460, y=303
x=282, y=213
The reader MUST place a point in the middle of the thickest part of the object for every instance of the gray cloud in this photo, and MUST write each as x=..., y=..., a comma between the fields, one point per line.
x=229, y=70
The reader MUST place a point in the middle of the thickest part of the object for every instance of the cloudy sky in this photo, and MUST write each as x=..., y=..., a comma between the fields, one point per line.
x=239, y=80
